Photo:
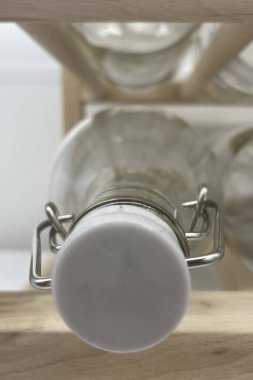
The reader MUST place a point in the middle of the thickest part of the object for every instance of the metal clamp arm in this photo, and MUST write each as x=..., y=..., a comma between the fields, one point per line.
x=218, y=240
x=36, y=279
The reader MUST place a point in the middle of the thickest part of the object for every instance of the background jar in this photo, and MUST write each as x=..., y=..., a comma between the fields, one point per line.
x=237, y=186
x=235, y=82
x=138, y=56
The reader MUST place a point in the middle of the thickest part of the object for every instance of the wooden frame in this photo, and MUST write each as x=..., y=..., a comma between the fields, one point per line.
x=72, y=91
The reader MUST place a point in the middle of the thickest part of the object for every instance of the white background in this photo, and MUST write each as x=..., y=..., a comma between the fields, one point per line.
x=30, y=131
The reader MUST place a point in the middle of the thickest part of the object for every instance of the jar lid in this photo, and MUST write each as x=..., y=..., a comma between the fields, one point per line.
x=120, y=281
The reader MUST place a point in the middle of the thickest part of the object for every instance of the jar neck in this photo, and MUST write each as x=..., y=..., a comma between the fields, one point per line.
x=149, y=187
x=167, y=190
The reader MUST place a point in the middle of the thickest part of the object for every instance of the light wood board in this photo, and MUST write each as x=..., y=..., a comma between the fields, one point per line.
x=72, y=92
x=214, y=342
x=126, y=10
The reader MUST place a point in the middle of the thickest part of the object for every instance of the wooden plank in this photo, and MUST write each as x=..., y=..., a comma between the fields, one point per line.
x=126, y=10
x=164, y=94
x=225, y=46
x=214, y=341
x=72, y=100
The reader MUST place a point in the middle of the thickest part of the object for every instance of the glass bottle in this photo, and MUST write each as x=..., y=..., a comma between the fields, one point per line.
x=138, y=56
x=237, y=187
x=131, y=180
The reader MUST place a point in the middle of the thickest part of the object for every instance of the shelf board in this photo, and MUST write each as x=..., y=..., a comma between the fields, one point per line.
x=126, y=10
x=214, y=341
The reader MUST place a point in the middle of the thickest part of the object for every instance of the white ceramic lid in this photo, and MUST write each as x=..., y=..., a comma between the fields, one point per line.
x=120, y=281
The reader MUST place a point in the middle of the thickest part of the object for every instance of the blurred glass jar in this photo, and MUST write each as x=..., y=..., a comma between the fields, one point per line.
x=235, y=82
x=132, y=151
x=237, y=184
x=138, y=56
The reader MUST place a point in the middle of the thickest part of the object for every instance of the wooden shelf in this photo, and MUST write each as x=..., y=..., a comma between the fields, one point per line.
x=214, y=341
x=126, y=10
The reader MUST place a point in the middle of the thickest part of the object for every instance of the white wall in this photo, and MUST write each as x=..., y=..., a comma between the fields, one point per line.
x=30, y=131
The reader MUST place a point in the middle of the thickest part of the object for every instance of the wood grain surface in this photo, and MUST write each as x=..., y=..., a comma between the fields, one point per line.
x=214, y=342
x=72, y=91
x=126, y=10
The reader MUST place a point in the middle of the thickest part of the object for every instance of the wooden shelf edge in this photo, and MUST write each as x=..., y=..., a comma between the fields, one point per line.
x=126, y=10
x=214, y=341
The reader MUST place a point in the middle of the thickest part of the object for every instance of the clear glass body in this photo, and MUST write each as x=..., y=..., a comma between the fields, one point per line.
x=132, y=152
x=235, y=82
x=138, y=56
x=238, y=193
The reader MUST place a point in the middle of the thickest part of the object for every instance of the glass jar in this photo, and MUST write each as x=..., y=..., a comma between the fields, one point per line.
x=235, y=82
x=131, y=180
x=237, y=187
x=138, y=56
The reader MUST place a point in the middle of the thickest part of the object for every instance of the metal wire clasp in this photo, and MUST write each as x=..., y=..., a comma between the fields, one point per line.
x=202, y=206
x=56, y=222
x=200, y=227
